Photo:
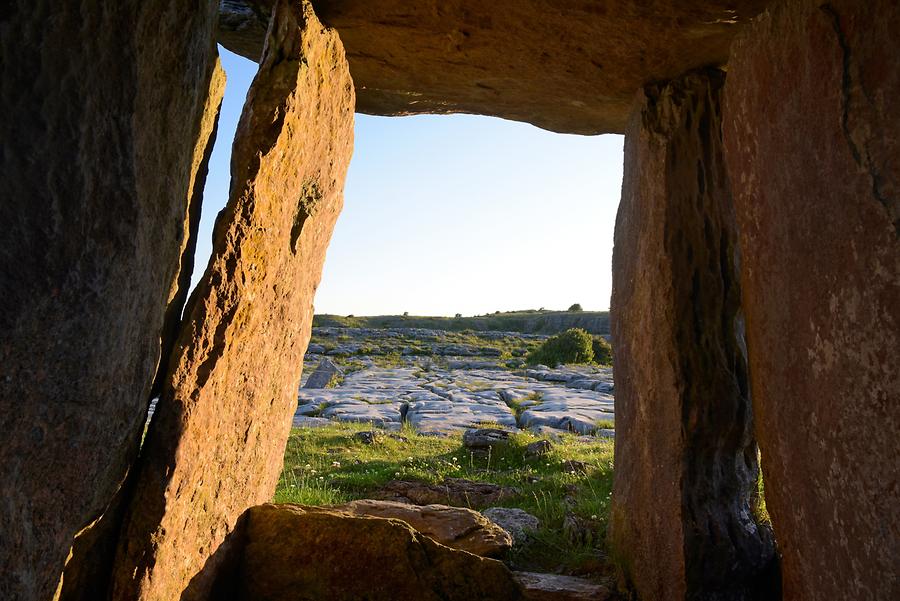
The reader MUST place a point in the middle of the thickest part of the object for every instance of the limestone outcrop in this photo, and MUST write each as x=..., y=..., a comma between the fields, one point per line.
x=456, y=527
x=298, y=554
x=95, y=182
x=216, y=442
x=565, y=66
x=812, y=142
x=685, y=455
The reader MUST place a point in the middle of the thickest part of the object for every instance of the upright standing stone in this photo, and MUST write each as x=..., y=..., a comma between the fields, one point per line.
x=216, y=444
x=812, y=139
x=102, y=135
x=685, y=455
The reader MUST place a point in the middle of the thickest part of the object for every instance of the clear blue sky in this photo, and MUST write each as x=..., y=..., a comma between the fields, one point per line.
x=454, y=214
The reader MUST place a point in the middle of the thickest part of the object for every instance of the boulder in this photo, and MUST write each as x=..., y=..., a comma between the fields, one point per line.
x=456, y=527
x=216, y=444
x=324, y=374
x=538, y=448
x=307, y=554
x=366, y=437
x=485, y=438
x=452, y=491
x=685, y=458
x=812, y=141
x=108, y=120
x=556, y=587
x=518, y=522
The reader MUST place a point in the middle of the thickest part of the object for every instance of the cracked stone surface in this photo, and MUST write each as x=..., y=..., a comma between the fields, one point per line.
x=438, y=395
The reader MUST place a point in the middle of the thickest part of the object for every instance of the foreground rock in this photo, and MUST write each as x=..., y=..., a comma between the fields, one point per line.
x=568, y=67
x=554, y=587
x=812, y=141
x=685, y=458
x=217, y=441
x=107, y=122
x=456, y=527
x=307, y=554
x=452, y=491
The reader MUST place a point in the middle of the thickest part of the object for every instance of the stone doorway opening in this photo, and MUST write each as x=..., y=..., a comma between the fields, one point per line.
x=551, y=232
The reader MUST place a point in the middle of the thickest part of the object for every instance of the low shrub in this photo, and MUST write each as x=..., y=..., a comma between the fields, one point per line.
x=572, y=346
x=602, y=351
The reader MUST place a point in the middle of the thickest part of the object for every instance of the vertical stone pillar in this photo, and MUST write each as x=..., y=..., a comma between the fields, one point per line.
x=686, y=463
x=216, y=443
x=103, y=133
x=812, y=140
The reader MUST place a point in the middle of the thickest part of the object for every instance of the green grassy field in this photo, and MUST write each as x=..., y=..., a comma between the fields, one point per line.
x=325, y=466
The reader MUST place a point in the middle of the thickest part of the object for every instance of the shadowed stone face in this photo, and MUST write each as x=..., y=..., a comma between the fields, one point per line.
x=217, y=440
x=685, y=456
x=812, y=141
x=567, y=66
x=103, y=136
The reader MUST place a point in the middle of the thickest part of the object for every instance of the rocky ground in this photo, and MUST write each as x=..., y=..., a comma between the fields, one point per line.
x=441, y=382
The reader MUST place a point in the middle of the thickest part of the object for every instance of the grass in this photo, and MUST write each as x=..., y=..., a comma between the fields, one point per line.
x=519, y=406
x=324, y=466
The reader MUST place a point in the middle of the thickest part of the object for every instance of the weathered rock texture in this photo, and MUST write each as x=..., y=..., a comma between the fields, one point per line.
x=452, y=491
x=216, y=443
x=813, y=148
x=106, y=118
x=456, y=527
x=553, y=587
x=561, y=65
x=685, y=455
x=298, y=554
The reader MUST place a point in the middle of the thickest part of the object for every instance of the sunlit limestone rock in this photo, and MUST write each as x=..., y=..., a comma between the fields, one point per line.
x=216, y=443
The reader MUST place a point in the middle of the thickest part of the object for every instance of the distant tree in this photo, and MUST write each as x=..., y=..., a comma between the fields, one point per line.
x=458, y=316
x=542, y=309
x=576, y=307
x=406, y=314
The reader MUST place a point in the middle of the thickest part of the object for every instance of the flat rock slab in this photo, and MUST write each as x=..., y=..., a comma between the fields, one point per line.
x=555, y=587
x=572, y=410
x=450, y=416
x=568, y=67
x=439, y=400
x=452, y=491
x=294, y=553
x=456, y=527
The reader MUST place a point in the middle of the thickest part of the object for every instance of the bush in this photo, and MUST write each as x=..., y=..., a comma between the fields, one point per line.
x=602, y=351
x=576, y=307
x=572, y=346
